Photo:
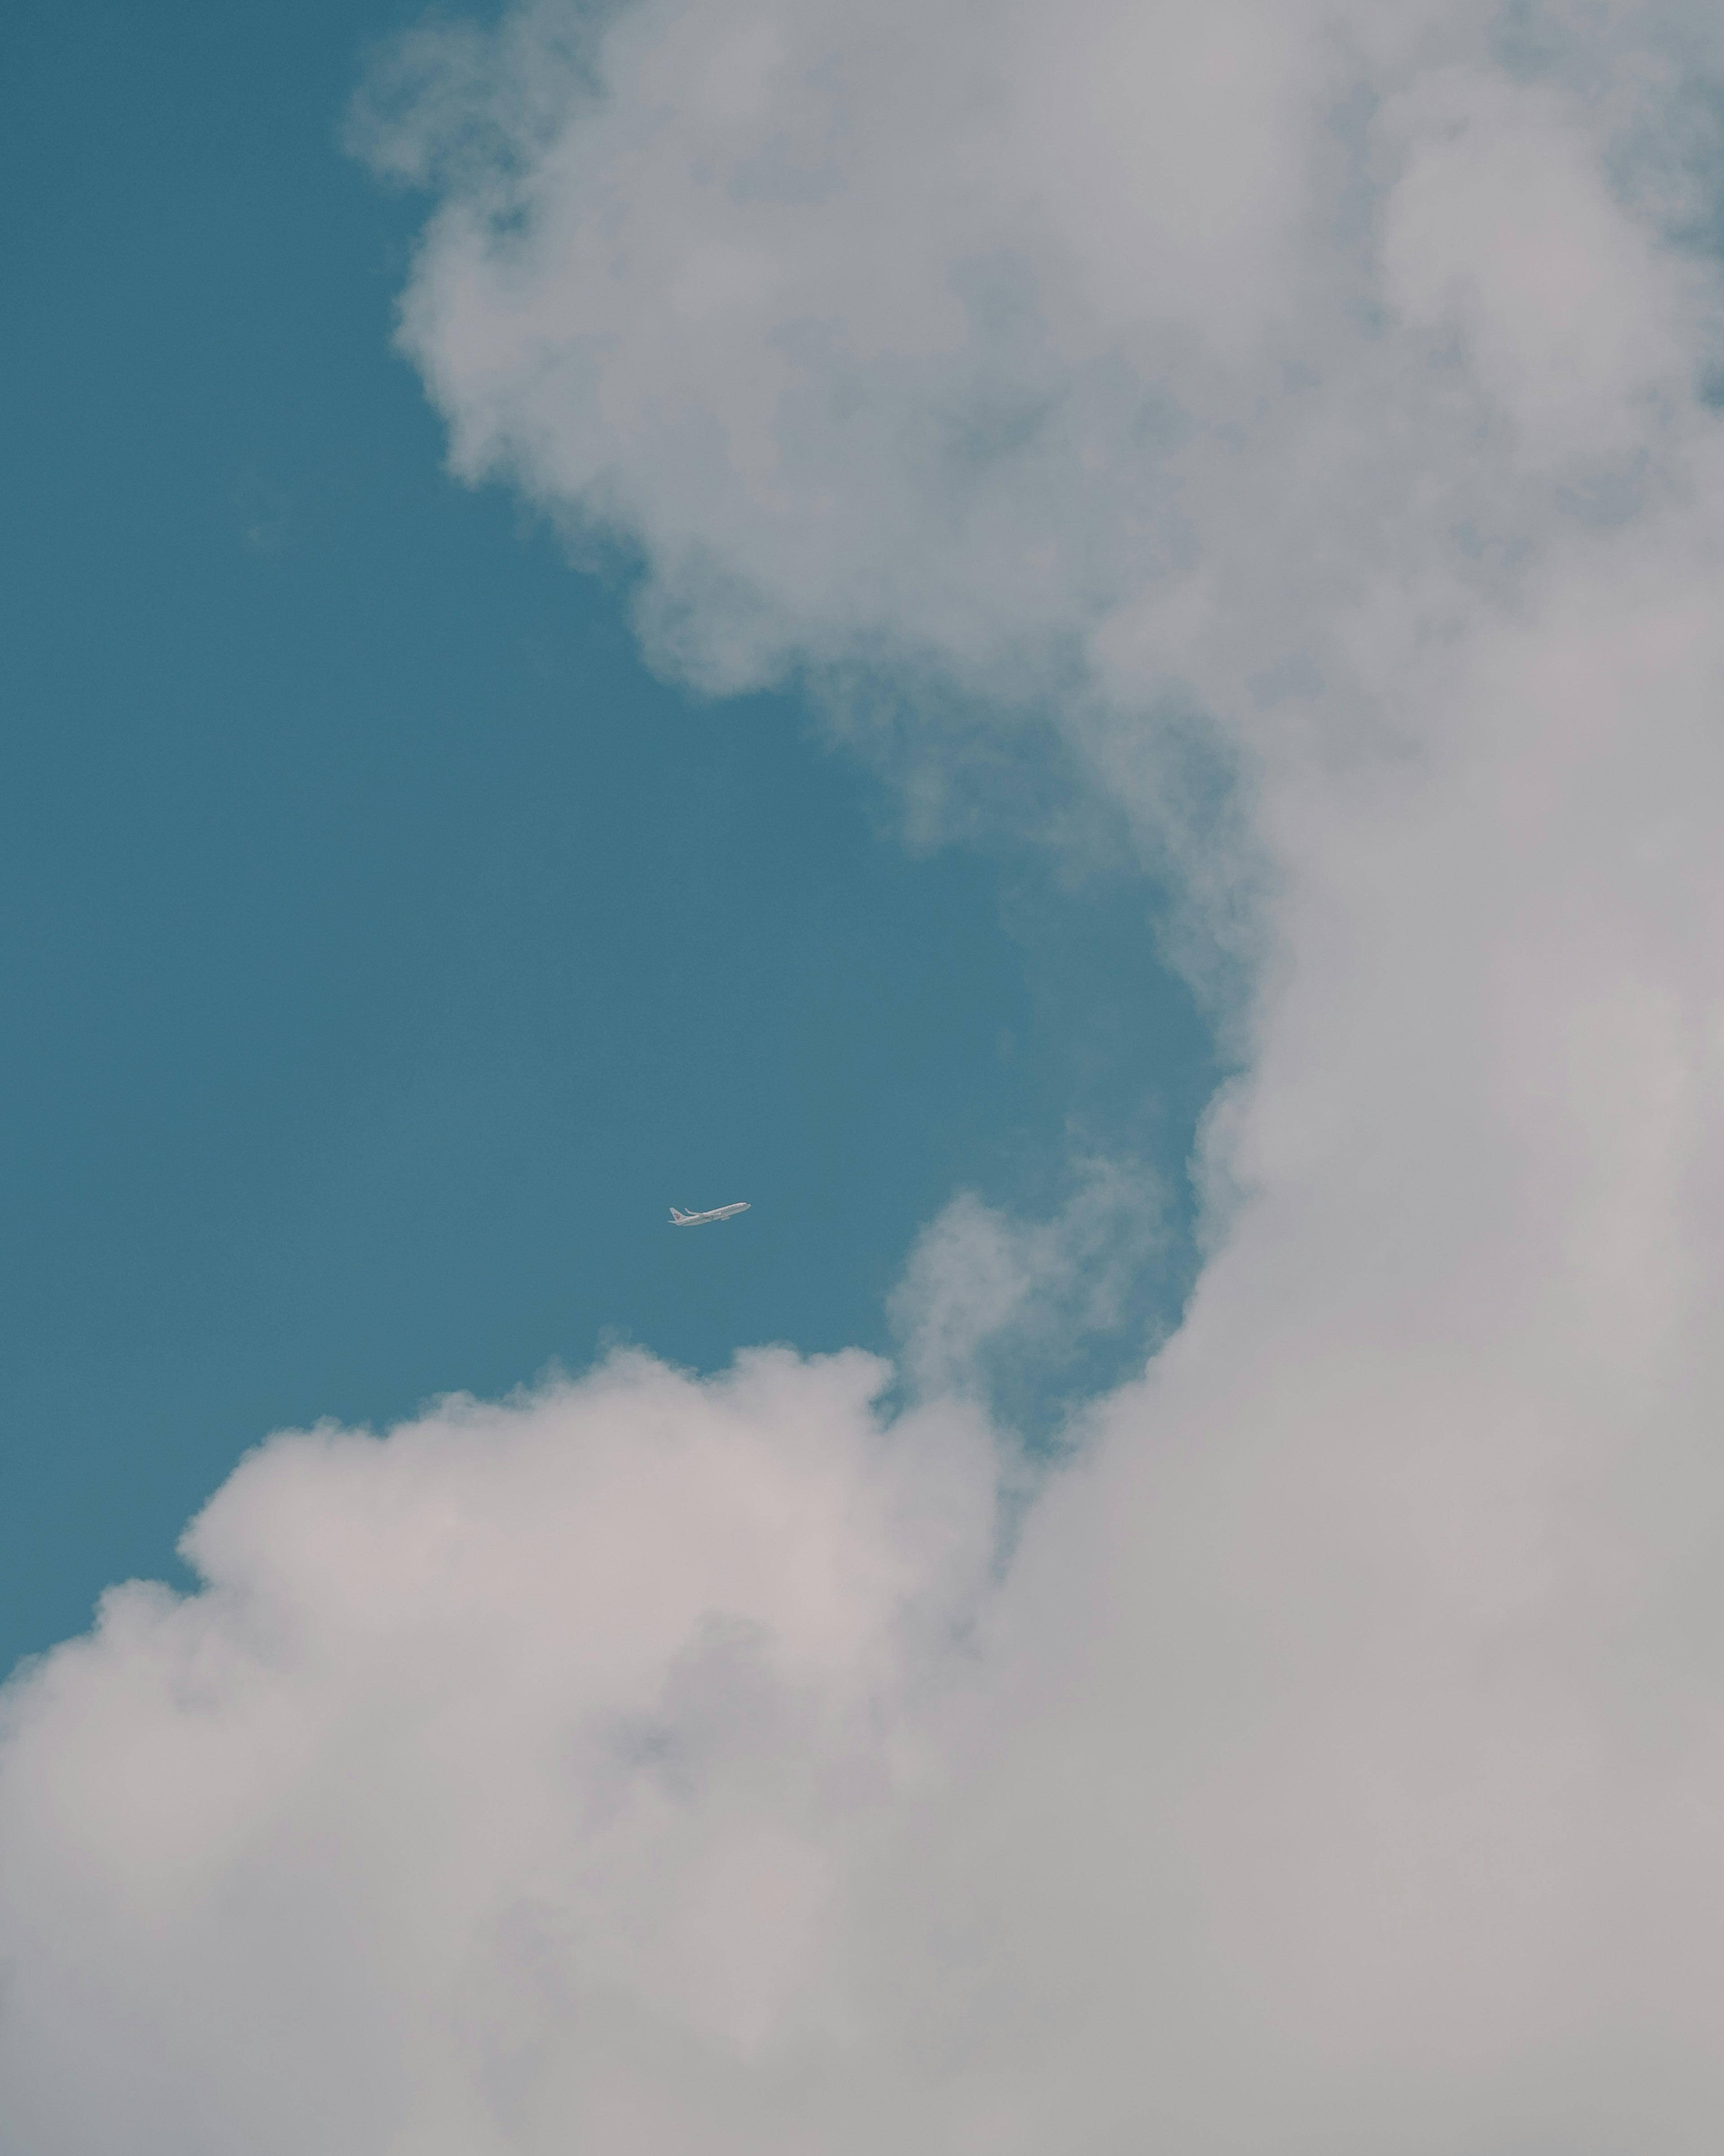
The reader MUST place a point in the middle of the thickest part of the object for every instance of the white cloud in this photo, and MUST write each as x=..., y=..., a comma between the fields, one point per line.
x=1503, y=226
x=522, y=1739
x=984, y=1295
x=1337, y=1764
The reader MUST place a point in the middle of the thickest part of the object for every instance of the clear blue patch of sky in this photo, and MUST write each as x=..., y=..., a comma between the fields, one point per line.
x=381, y=949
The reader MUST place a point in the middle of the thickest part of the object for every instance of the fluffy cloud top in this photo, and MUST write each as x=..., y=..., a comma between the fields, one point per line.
x=1334, y=1765
x=526, y=1741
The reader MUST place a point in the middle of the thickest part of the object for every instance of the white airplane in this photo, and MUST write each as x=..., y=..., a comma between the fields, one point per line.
x=699, y=1220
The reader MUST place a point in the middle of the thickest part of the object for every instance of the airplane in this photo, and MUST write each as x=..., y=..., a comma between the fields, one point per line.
x=699, y=1220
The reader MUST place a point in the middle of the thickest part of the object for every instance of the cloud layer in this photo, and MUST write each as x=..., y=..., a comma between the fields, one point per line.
x=1318, y=394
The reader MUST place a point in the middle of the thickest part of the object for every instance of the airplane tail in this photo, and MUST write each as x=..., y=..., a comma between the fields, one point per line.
x=676, y=1218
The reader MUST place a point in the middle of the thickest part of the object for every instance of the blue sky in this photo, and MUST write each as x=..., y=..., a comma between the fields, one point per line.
x=383, y=947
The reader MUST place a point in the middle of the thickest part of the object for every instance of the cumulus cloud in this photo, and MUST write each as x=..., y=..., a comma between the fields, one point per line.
x=1334, y=1764
x=502, y=1763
